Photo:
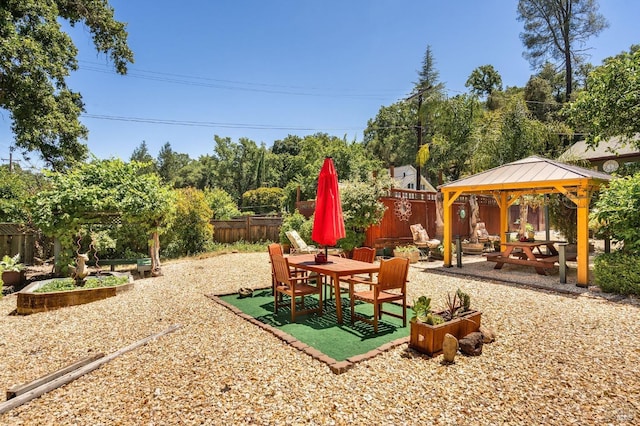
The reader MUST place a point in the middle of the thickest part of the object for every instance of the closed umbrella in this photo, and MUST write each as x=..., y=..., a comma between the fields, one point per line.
x=328, y=222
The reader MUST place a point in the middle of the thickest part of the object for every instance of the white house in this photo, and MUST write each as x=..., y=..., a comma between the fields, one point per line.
x=406, y=175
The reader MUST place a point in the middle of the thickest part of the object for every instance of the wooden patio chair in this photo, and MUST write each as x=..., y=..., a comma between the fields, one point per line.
x=363, y=254
x=422, y=241
x=295, y=286
x=275, y=248
x=390, y=286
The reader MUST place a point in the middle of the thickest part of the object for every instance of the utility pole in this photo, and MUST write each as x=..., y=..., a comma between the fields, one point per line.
x=419, y=131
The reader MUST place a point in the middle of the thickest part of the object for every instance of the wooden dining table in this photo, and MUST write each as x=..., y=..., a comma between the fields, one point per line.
x=527, y=253
x=335, y=268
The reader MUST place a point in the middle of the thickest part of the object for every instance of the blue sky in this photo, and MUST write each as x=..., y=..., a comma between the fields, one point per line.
x=266, y=69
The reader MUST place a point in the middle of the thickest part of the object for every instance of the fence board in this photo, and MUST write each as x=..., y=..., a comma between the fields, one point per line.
x=251, y=229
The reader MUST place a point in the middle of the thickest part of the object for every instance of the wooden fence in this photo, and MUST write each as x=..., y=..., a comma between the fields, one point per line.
x=14, y=239
x=251, y=229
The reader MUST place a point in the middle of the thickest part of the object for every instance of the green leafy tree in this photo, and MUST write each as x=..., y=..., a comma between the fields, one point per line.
x=609, y=107
x=484, y=80
x=511, y=133
x=234, y=166
x=170, y=163
x=616, y=210
x=16, y=187
x=540, y=100
x=263, y=200
x=362, y=208
x=102, y=192
x=191, y=231
x=37, y=56
x=453, y=143
x=391, y=135
x=141, y=155
x=221, y=204
x=558, y=30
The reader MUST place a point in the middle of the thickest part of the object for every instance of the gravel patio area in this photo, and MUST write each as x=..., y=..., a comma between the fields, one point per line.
x=561, y=357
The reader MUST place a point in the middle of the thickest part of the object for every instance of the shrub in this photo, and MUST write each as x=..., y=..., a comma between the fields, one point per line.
x=617, y=272
x=191, y=231
x=617, y=211
x=221, y=203
x=263, y=200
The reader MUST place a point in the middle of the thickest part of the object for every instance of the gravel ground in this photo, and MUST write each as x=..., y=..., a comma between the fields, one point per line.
x=560, y=358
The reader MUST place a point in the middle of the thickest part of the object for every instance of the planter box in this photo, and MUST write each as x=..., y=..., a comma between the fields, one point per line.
x=428, y=339
x=472, y=248
x=413, y=256
x=29, y=302
x=12, y=278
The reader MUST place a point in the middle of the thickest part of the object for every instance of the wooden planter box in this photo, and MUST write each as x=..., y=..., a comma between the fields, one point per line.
x=428, y=339
x=30, y=303
x=12, y=278
x=413, y=256
x=472, y=248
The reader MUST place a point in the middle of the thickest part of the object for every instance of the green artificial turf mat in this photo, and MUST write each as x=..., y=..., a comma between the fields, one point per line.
x=323, y=332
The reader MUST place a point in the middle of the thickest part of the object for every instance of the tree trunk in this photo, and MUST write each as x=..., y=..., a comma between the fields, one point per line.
x=439, y=217
x=154, y=252
x=524, y=213
x=474, y=218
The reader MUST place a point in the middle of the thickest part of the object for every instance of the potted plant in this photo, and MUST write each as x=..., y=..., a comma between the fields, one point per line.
x=428, y=328
x=12, y=270
x=410, y=252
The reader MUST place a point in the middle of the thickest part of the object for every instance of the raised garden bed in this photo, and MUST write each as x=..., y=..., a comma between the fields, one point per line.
x=428, y=339
x=29, y=302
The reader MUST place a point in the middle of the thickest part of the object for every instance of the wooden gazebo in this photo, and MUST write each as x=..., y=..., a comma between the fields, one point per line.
x=531, y=175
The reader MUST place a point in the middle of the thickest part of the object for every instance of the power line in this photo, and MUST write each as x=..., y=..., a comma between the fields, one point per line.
x=189, y=123
x=199, y=81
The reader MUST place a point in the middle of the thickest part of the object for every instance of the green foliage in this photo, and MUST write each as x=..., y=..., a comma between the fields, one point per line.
x=361, y=208
x=190, y=231
x=263, y=200
x=12, y=264
x=36, y=57
x=618, y=272
x=484, y=80
x=15, y=189
x=100, y=192
x=609, y=106
x=295, y=221
x=221, y=204
x=617, y=211
x=563, y=216
x=453, y=142
x=67, y=284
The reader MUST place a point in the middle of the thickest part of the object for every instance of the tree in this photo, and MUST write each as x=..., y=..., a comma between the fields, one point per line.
x=191, y=230
x=141, y=155
x=609, y=107
x=391, y=135
x=103, y=192
x=170, y=163
x=484, y=80
x=453, y=143
x=36, y=57
x=558, y=30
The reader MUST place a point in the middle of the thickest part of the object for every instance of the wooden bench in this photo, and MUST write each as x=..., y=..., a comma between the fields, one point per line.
x=546, y=262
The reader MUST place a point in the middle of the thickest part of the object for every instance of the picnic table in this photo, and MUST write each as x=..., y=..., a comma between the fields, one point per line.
x=527, y=253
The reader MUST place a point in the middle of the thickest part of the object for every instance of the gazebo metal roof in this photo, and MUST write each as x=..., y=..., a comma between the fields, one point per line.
x=531, y=175
x=538, y=174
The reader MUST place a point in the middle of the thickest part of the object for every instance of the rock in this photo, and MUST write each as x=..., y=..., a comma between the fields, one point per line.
x=488, y=334
x=449, y=348
x=471, y=344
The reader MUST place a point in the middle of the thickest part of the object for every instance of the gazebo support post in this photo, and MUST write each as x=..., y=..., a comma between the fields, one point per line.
x=582, y=201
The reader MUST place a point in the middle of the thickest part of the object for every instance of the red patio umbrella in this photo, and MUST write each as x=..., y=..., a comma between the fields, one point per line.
x=328, y=222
